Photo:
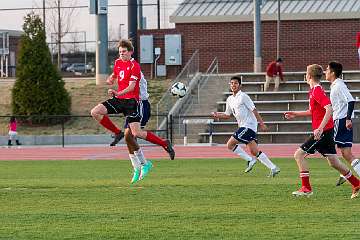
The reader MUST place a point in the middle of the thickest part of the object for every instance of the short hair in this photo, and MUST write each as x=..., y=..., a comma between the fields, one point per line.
x=126, y=43
x=315, y=71
x=237, y=78
x=279, y=60
x=336, y=68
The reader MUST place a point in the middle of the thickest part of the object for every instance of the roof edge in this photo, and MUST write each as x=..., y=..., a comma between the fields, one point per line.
x=267, y=17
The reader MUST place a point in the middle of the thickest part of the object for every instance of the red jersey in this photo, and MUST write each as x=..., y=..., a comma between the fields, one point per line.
x=272, y=70
x=358, y=40
x=317, y=101
x=126, y=72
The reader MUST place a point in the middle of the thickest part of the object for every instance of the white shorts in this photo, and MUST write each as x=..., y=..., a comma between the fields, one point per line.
x=12, y=134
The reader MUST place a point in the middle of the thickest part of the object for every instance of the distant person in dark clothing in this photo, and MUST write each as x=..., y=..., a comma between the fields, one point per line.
x=274, y=73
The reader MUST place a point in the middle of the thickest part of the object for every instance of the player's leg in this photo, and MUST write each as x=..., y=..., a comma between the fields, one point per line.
x=303, y=167
x=263, y=158
x=343, y=170
x=153, y=138
x=100, y=113
x=309, y=147
x=233, y=144
x=350, y=158
x=343, y=140
x=131, y=145
x=133, y=114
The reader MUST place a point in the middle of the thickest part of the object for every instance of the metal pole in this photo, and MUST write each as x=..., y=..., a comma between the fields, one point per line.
x=132, y=24
x=63, y=131
x=278, y=31
x=257, y=36
x=101, y=48
x=59, y=36
x=85, y=50
x=44, y=18
x=158, y=14
x=141, y=24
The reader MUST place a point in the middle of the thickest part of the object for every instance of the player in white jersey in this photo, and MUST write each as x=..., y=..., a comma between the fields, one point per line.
x=243, y=109
x=140, y=164
x=343, y=111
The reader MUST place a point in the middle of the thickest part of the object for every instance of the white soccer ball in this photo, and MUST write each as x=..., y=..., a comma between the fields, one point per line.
x=178, y=89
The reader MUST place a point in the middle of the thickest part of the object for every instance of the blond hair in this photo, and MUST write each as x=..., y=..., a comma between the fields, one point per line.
x=126, y=43
x=315, y=71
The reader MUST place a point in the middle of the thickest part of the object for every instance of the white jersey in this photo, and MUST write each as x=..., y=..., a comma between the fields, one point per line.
x=144, y=95
x=339, y=97
x=242, y=107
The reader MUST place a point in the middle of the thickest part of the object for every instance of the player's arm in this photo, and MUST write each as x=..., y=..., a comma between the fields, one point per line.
x=111, y=79
x=293, y=114
x=260, y=120
x=346, y=96
x=129, y=88
x=327, y=116
x=350, y=110
x=220, y=115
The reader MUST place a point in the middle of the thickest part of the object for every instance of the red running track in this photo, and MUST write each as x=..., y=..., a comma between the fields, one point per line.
x=151, y=152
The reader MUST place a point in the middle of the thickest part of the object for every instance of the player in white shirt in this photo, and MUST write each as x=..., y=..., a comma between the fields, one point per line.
x=140, y=164
x=343, y=111
x=243, y=109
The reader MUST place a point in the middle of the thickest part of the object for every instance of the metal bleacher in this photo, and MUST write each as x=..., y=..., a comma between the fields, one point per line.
x=292, y=95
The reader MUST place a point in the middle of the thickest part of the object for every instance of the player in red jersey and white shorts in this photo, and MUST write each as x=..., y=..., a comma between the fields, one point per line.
x=126, y=98
x=322, y=139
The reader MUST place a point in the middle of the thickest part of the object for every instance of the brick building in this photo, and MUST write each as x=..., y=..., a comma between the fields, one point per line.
x=311, y=31
x=9, y=47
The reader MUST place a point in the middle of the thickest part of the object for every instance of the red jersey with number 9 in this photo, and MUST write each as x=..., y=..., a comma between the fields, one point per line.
x=126, y=72
x=317, y=102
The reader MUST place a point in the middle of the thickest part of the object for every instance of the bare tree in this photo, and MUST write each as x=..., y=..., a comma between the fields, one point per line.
x=59, y=21
x=113, y=37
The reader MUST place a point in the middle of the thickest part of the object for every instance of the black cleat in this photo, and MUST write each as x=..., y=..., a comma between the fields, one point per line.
x=341, y=181
x=170, y=150
x=117, y=139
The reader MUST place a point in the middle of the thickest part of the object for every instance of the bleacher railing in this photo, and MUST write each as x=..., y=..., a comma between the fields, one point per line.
x=168, y=101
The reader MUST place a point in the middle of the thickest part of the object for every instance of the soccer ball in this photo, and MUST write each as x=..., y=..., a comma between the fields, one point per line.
x=178, y=89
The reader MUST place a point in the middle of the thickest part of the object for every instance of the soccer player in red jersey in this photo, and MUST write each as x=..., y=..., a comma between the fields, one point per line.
x=126, y=99
x=322, y=139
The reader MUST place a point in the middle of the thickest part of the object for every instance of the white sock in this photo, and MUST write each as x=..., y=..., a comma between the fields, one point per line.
x=266, y=161
x=134, y=161
x=239, y=151
x=356, y=166
x=140, y=155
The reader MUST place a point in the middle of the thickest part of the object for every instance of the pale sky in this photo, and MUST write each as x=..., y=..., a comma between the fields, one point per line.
x=82, y=20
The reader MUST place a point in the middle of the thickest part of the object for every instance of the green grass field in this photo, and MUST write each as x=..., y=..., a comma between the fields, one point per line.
x=181, y=199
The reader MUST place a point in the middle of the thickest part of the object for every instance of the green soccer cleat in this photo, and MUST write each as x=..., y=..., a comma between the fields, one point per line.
x=136, y=175
x=145, y=169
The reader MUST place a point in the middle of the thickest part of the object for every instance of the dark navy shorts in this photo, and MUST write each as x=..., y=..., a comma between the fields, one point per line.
x=343, y=137
x=325, y=145
x=145, y=112
x=245, y=135
x=129, y=107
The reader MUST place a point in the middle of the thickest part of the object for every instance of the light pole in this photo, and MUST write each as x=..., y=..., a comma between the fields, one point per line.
x=278, y=31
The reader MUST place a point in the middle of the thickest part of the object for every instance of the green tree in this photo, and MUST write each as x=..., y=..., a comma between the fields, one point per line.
x=39, y=88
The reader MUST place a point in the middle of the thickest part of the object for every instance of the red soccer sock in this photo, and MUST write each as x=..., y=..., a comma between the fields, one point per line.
x=108, y=124
x=305, y=179
x=352, y=179
x=155, y=139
